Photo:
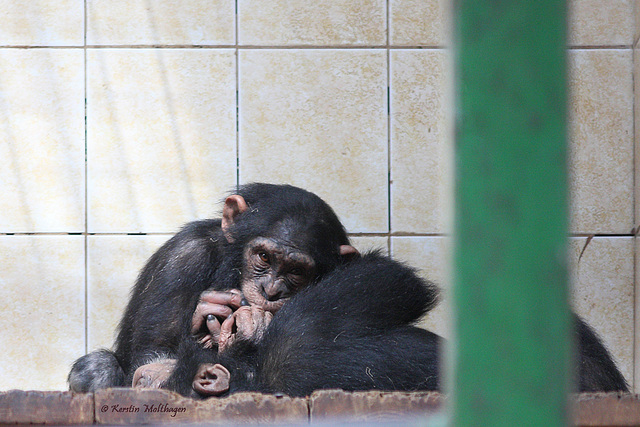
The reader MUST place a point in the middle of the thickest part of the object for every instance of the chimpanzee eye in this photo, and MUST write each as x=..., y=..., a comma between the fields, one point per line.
x=296, y=271
x=263, y=257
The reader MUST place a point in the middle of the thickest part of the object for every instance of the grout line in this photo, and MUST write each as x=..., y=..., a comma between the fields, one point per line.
x=636, y=356
x=595, y=47
x=237, y=100
x=389, y=170
x=284, y=47
x=354, y=234
x=232, y=46
x=86, y=194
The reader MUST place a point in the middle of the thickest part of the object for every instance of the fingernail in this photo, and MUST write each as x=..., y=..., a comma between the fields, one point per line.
x=244, y=302
x=210, y=317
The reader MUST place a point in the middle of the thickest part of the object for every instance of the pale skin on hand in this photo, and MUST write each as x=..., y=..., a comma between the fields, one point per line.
x=212, y=309
x=249, y=322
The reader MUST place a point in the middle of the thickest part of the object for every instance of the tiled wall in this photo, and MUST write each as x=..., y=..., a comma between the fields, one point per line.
x=123, y=119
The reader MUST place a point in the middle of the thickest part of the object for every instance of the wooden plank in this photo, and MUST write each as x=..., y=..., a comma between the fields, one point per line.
x=139, y=406
x=65, y=408
x=45, y=407
x=606, y=409
x=372, y=406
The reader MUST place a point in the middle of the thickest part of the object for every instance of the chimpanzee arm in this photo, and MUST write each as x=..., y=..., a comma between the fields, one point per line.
x=374, y=290
x=153, y=322
x=402, y=358
x=165, y=290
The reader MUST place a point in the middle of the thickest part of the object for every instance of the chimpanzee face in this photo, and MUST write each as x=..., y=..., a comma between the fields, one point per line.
x=273, y=270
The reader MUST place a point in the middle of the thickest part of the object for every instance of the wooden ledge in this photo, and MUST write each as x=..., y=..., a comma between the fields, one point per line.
x=139, y=406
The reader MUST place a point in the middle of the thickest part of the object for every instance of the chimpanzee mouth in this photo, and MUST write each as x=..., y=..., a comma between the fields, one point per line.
x=265, y=304
x=273, y=306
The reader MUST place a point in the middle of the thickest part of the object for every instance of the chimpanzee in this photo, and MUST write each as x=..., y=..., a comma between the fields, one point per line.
x=351, y=331
x=596, y=369
x=271, y=241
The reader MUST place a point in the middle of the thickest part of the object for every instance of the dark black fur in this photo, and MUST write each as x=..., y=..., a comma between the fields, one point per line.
x=596, y=369
x=352, y=331
x=199, y=258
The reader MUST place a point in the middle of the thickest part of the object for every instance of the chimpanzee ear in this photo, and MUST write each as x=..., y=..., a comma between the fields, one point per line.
x=211, y=380
x=348, y=253
x=234, y=205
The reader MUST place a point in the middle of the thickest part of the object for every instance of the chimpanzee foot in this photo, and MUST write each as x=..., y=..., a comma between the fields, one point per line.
x=153, y=375
x=94, y=371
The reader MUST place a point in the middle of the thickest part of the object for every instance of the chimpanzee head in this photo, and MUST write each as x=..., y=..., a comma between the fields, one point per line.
x=283, y=238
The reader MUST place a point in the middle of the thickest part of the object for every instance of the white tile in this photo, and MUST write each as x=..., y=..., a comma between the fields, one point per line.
x=419, y=22
x=317, y=119
x=421, y=142
x=42, y=140
x=370, y=243
x=302, y=22
x=42, y=23
x=160, y=22
x=42, y=288
x=161, y=136
x=601, y=22
x=430, y=255
x=601, y=141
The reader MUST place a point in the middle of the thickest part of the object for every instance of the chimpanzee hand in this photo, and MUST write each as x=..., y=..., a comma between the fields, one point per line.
x=246, y=323
x=153, y=375
x=212, y=309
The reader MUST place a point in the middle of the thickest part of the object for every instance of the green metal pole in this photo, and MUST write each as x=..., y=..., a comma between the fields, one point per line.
x=510, y=355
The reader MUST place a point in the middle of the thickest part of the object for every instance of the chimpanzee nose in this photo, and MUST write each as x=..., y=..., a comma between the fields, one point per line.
x=274, y=291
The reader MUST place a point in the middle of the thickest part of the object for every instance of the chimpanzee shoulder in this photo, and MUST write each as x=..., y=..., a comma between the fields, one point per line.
x=189, y=258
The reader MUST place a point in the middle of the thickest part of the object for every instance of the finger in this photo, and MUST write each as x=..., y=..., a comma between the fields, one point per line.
x=244, y=320
x=268, y=317
x=213, y=325
x=261, y=319
x=206, y=341
x=273, y=306
x=203, y=310
x=197, y=320
x=226, y=333
x=257, y=317
x=243, y=300
x=222, y=311
x=232, y=298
